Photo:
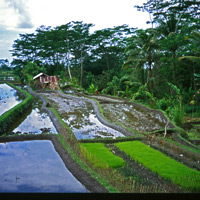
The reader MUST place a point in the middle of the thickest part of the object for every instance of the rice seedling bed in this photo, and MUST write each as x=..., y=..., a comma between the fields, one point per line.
x=177, y=173
x=100, y=156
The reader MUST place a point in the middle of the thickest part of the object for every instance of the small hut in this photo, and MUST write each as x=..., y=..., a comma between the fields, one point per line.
x=43, y=81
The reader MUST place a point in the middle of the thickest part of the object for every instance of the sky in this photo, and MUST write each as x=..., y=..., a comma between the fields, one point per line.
x=25, y=16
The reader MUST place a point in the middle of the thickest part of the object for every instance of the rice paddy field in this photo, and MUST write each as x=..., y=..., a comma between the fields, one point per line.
x=167, y=168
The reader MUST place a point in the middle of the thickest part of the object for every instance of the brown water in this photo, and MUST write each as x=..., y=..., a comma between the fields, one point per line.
x=80, y=117
x=133, y=117
x=35, y=166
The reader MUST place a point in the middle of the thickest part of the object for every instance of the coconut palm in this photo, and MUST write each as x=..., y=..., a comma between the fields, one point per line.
x=195, y=36
x=142, y=52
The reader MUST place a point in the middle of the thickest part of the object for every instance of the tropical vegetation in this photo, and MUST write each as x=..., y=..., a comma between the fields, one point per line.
x=142, y=64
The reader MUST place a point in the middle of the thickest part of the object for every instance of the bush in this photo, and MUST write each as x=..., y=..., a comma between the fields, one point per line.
x=177, y=115
x=163, y=104
x=144, y=95
x=92, y=89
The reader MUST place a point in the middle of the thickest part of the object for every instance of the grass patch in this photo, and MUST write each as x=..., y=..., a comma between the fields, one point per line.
x=7, y=118
x=166, y=167
x=100, y=156
x=193, y=135
x=184, y=147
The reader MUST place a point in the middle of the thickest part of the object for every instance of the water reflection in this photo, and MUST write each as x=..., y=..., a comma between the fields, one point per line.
x=36, y=123
x=91, y=128
x=34, y=166
x=80, y=117
x=9, y=98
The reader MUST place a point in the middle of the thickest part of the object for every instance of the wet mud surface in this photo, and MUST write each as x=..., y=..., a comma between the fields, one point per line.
x=134, y=117
x=131, y=115
x=80, y=117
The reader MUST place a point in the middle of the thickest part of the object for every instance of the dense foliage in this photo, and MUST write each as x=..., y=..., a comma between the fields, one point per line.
x=159, y=65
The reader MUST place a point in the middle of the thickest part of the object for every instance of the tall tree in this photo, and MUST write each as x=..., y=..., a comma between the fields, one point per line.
x=143, y=53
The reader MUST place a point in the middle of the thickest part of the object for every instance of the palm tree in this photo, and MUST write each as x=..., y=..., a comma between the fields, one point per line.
x=195, y=59
x=169, y=28
x=195, y=36
x=143, y=52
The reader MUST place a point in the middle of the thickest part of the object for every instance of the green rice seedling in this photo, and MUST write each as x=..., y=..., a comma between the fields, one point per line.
x=166, y=167
x=104, y=158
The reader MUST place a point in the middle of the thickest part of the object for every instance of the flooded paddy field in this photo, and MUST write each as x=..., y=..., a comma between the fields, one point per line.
x=9, y=98
x=34, y=121
x=80, y=117
x=135, y=117
x=35, y=166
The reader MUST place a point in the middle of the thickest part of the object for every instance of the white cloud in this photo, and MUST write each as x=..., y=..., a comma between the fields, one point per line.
x=8, y=19
x=24, y=16
x=15, y=15
x=21, y=9
x=104, y=13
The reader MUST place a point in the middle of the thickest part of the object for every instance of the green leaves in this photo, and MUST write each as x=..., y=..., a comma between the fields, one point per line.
x=178, y=91
x=191, y=58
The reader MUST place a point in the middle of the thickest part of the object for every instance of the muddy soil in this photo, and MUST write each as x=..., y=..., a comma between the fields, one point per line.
x=80, y=117
x=134, y=117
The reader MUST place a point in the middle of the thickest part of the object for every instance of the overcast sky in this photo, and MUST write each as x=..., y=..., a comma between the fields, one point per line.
x=24, y=16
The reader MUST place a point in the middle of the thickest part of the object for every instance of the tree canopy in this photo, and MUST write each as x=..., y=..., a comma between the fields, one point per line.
x=129, y=60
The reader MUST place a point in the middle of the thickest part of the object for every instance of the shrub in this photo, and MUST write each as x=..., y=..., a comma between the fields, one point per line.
x=177, y=115
x=92, y=89
x=163, y=104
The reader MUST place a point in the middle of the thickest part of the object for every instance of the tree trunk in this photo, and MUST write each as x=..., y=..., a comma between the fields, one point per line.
x=81, y=68
x=70, y=76
x=68, y=67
